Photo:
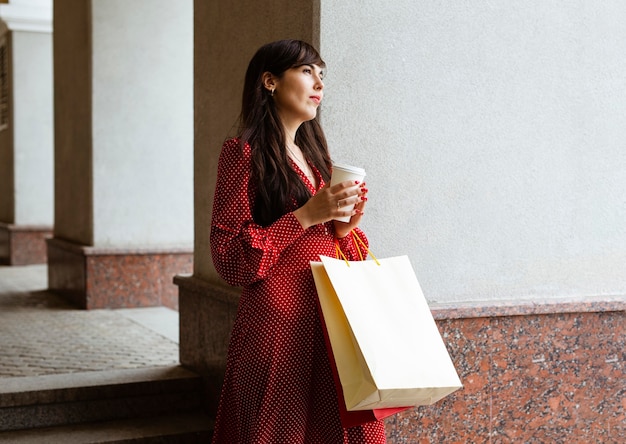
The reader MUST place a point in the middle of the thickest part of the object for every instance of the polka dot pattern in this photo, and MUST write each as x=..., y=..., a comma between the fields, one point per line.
x=278, y=386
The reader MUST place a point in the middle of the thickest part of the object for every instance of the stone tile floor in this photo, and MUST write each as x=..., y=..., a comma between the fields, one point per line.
x=41, y=334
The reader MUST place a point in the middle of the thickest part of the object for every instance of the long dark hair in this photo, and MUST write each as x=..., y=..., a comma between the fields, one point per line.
x=275, y=186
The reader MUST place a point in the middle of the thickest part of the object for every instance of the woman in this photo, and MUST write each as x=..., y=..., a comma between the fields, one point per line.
x=273, y=213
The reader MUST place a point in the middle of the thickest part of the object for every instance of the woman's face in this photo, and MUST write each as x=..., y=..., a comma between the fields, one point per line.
x=298, y=94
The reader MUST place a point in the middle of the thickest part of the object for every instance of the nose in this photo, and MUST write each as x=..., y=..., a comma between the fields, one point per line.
x=319, y=84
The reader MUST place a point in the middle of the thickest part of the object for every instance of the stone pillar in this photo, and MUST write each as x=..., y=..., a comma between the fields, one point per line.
x=123, y=151
x=26, y=131
x=492, y=138
x=226, y=36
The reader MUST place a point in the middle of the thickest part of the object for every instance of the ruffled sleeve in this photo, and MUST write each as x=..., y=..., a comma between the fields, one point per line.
x=244, y=252
x=352, y=247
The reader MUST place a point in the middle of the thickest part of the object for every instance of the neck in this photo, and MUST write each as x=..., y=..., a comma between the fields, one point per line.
x=290, y=129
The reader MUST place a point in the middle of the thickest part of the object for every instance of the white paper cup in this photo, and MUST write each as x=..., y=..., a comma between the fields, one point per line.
x=341, y=173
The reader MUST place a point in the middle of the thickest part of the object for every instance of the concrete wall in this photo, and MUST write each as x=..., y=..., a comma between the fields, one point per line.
x=493, y=137
x=33, y=127
x=142, y=122
x=124, y=112
x=26, y=148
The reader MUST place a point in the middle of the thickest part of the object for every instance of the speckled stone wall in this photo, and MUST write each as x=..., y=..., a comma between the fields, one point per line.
x=550, y=372
x=116, y=278
x=531, y=377
x=23, y=245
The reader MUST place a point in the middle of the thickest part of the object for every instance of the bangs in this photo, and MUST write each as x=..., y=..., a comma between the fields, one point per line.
x=309, y=56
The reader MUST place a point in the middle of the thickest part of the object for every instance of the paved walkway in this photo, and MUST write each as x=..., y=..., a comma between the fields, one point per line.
x=40, y=334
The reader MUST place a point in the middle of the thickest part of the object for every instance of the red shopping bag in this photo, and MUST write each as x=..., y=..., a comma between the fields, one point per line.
x=356, y=417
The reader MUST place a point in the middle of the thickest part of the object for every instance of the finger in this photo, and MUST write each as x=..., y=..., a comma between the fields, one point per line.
x=361, y=206
x=351, y=183
x=346, y=184
x=360, y=199
x=348, y=195
x=350, y=201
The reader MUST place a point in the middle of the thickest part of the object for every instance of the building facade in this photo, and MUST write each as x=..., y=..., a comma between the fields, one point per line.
x=492, y=136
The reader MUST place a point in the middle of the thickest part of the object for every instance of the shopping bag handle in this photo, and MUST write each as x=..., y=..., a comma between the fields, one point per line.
x=355, y=238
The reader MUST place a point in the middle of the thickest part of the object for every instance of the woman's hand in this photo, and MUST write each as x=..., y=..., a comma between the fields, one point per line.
x=342, y=229
x=328, y=202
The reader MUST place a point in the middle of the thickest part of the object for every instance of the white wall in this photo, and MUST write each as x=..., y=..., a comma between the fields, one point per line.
x=143, y=122
x=33, y=128
x=493, y=134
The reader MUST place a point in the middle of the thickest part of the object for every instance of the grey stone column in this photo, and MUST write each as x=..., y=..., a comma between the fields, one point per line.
x=226, y=35
x=26, y=131
x=123, y=151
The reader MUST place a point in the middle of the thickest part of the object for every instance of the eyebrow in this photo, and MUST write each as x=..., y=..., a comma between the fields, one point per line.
x=313, y=66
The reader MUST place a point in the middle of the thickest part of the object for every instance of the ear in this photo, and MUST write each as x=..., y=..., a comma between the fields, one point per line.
x=269, y=81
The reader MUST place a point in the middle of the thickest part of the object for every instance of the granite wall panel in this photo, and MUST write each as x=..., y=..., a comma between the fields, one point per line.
x=536, y=378
x=116, y=278
x=533, y=372
x=23, y=245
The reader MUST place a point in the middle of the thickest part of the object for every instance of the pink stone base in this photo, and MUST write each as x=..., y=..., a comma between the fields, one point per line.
x=207, y=312
x=115, y=278
x=552, y=377
x=23, y=245
x=551, y=372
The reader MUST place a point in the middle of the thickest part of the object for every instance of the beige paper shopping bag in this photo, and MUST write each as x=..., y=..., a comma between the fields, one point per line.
x=385, y=342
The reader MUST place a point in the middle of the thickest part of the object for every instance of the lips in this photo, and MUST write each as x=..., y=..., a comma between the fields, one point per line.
x=316, y=99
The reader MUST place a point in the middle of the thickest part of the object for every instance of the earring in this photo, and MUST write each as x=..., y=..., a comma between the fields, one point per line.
x=272, y=93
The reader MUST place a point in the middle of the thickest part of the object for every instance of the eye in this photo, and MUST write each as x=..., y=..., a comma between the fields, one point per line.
x=307, y=70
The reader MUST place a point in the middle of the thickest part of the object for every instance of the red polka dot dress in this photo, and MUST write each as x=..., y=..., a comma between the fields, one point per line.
x=278, y=387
